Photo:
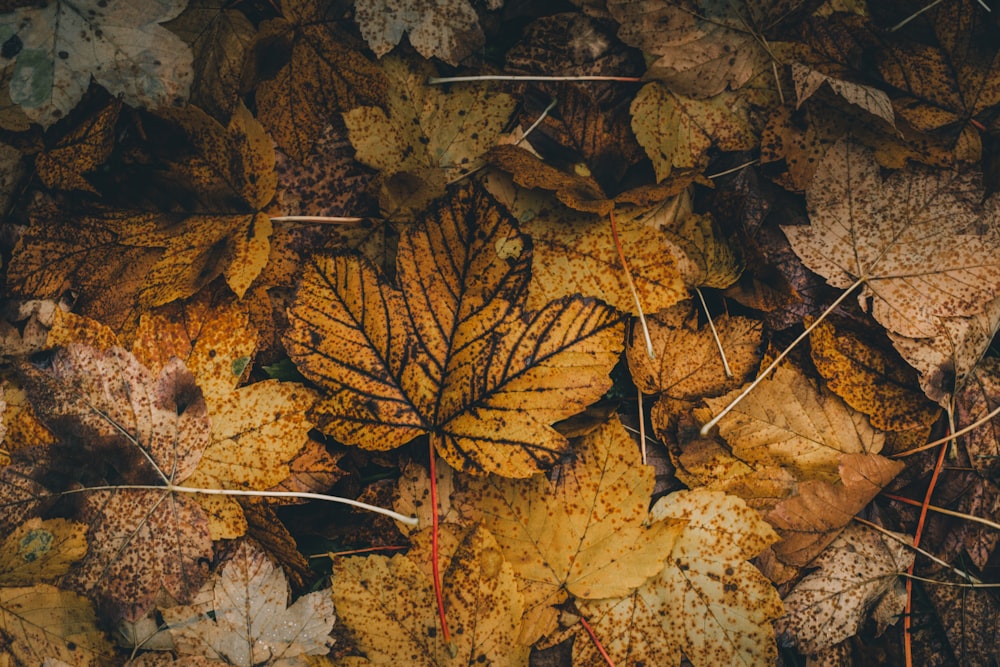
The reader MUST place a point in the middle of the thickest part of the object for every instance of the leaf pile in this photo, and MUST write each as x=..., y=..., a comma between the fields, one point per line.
x=258, y=255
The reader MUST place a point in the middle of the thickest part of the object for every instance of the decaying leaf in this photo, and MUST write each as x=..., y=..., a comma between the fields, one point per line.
x=790, y=422
x=809, y=521
x=151, y=429
x=322, y=76
x=445, y=29
x=79, y=153
x=242, y=616
x=426, y=137
x=41, y=551
x=857, y=574
x=450, y=352
x=121, y=45
x=388, y=605
x=587, y=533
x=698, y=371
x=917, y=239
x=874, y=101
x=43, y=623
x=707, y=603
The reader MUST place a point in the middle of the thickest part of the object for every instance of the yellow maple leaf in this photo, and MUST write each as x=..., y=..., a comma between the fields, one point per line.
x=451, y=352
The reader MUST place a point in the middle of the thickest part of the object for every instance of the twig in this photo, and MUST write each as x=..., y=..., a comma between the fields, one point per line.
x=316, y=218
x=715, y=334
x=942, y=510
x=597, y=642
x=432, y=469
x=774, y=364
x=930, y=445
x=920, y=551
x=631, y=286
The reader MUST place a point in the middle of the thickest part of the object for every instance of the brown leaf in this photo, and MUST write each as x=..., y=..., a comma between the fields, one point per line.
x=451, y=352
x=857, y=572
x=41, y=551
x=915, y=238
x=445, y=29
x=82, y=151
x=698, y=371
x=323, y=75
x=980, y=396
x=809, y=521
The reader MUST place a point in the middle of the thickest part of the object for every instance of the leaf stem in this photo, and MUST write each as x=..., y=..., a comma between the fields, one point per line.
x=316, y=218
x=930, y=445
x=434, y=549
x=597, y=642
x=774, y=364
x=435, y=80
x=408, y=520
x=631, y=285
x=715, y=334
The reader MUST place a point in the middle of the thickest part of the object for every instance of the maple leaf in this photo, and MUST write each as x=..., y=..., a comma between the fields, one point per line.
x=980, y=396
x=445, y=29
x=450, y=352
x=808, y=80
x=812, y=519
x=41, y=551
x=79, y=152
x=586, y=533
x=220, y=39
x=60, y=46
x=42, y=623
x=141, y=540
x=575, y=253
x=426, y=137
x=323, y=75
x=388, y=605
x=242, y=616
x=915, y=239
x=699, y=371
x=701, y=47
x=857, y=573
x=707, y=602
x=788, y=421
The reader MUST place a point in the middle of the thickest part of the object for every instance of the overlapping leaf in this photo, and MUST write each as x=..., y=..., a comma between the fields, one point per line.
x=451, y=352
x=447, y=29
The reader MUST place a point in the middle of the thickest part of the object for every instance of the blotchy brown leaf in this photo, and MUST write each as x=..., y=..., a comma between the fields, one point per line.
x=917, y=239
x=857, y=571
x=445, y=29
x=451, y=352
x=809, y=521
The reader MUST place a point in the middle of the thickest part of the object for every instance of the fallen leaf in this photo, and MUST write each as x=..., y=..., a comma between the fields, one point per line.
x=676, y=131
x=451, y=352
x=388, y=605
x=445, y=29
x=705, y=257
x=788, y=421
x=322, y=75
x=699, y=371
x=43, y=623
x=916, y=240
x=65, y=165
x=245, y=618
x=980, y=396
x=151, y=429
x=707, y=602
x=876, y=102
x=220, y=39
x=41, y=551
x=810, y=520
x=857, y=573
x=587, y=532
x=699, y=47
x=121, y=45
x=427, y=136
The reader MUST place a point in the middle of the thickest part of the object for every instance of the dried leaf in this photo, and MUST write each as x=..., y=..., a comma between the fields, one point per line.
x=788, y=421
x=62, y=44
x=445, y=29
x=915, y=238
x=65, y=165
x=707, y=602
x=856, y=573
x=451, y=352
x=980, y=396
x=44, y=623
x=388, y=605
x=247, y=621
x=426, y=137
x=706, y=258
x=809, y=521
x=874, y=101
x=41, y=551
x=323, y=75
x=698, y=371
x=586, y=533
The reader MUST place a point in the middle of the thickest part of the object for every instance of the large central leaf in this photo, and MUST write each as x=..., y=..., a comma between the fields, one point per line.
x=451, y=352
